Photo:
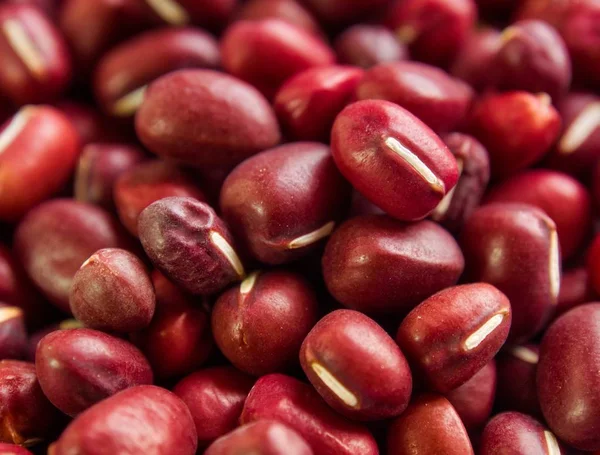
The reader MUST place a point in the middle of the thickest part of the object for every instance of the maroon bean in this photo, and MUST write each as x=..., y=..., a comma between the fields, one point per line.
x=113, y=292
x=284, y=201
x=169, y=296
x=578, y=148
x=260, y=324
x=266, y=53
x=190, y=244
x=298, y=406
x=376, y=264
x=517, y=367
x=89, y=124
x=473, y=401
x=215, y=398
x=392, y=158
x=98, y=168
x=368, y=45
x=497, y=10
x=13, y=336
x=517, y=129
x=308, y=103
x=436, y=98
x=563, y=198
x=38, y=150
x=429, y=425
x=213, y=14
x=35, y=66
x=266, y=437
x=474, y=174
x=142, y=419
x=515, y=248
x=13, y=449
x=56, y=237
x=356, y=367
x=205, y=118
x=35, y=337
x=361, y=206
x=337, y=12
x=123, y=74
x=575, y=288
x=568, y=384
x=434, y=30
x=178, y=340
x=287, y=10
x=513, y=432
x=473, y=61
x=26, y=415
x=593, y=263
x=454, y=333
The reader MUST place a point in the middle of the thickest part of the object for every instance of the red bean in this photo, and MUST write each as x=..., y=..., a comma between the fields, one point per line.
x=368, y=45
x=473, y=60
x=13, y=336
x=288, y=10
x=344, y=11
x=576, y=288
x=13, y=449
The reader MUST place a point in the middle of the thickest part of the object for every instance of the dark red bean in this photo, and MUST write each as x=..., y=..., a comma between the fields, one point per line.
x=515, y=248
x=56, y=237
x=215, y=398
x=513, y=432
x=298, y=406
x=38, y=151
x=98, y=169
x=517, y=367
x=266, y=53
x=26, y=415
x=80, y=367
x=123, y=74
x=308, y=103
x=563, y=198
x=392, y=158
x=260, y=324
x=288, y=10
x=474, y=174
x=169, y=296
x=266, y=437
x=205, y=118
x=190, y=244
x=35, y=65
x=213, y=14
x=13, y=335
x=517, y=129
x=337, y=12
x=35, y=337
x=429, y=425
x=376, y=264
x=568, y=384
x=143, y=419
x=89, y=124
x=436, y=98
x=473, y=61
x=284, y=201
x=575, y=288
x=368, y=45
x=356, y=366
x=13, y=449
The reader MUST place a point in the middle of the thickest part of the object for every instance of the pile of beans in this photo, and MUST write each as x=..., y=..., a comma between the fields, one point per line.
x=299, y=227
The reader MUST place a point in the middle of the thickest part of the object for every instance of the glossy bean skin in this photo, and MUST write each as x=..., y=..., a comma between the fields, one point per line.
x=515, y=248
x=56, y=237
x=124, y=72
x=429, y=425
x=392, y=158
x=38, y=151
x=567, y=377
x=215, y=397
x=475, y=57
x=366, y=45
x=80, y=367
x=266, y=437
x=473, y=401
x=13, y=449
x=513, y=432
x=563, y=198
x=517, y=368
x=35, y=63
x=26, y=415
x=436, y=98
x=112, y=292
x=453, y=334
x=284, y=201
x=517, y=129
x=142, y=419
x=204, y=118
x=287, y=10
x=375, y=264
x=13, y=335
x=308, y=102
x=474, y=175
x=260, y=324
x=356, y=367
x=298, y=406
x=268, y=52
x=98, y=168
